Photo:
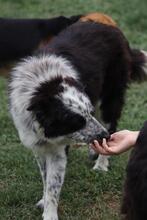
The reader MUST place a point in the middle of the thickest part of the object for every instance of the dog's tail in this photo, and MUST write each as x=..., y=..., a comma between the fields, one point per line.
x=139, y=65
x=134, y=205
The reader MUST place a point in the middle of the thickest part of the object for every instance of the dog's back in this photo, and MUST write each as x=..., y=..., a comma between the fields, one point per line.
x=134, y=205
x=94, y=50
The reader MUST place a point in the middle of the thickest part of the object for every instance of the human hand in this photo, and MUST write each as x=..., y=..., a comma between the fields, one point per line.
x=119, y=142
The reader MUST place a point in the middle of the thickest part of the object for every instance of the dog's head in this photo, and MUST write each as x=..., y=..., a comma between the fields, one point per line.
x=63, y=110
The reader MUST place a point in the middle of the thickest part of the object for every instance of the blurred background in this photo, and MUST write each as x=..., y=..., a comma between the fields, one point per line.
x=87, y=194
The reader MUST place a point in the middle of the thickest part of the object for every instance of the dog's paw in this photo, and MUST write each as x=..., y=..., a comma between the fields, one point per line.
x=40, y=204
x=100, y=167
x=50, y=216
x=102, y=163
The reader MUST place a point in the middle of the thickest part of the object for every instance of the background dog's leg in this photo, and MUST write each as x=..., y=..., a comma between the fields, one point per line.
x=41, y=160
x=55, y=171
x=112, y=101
x=102, y=163
x=111, y=112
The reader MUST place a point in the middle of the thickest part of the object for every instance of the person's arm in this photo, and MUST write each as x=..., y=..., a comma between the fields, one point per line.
x=119, y=142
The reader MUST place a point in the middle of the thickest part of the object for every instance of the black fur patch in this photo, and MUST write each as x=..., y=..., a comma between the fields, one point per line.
x=51, y=113
x=72, y=82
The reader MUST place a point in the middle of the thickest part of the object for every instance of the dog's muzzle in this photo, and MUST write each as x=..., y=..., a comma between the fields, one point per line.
x=92, y=131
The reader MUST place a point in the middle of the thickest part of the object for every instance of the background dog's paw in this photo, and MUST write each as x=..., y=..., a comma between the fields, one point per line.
x=100, y=167
x=49, y=216
x=40, y=204
x=102, y=163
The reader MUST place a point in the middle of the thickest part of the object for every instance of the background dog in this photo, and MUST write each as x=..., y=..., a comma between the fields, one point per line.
x=98, y=18
x=21, y=37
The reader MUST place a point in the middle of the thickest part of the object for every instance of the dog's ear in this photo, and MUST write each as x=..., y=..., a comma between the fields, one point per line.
x=35, y=105
x=47, y=106
x=45, y=93
x=32, y=107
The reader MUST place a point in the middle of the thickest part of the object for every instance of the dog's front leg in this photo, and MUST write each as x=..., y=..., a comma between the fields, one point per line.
x=41, y=160
x=55, y=171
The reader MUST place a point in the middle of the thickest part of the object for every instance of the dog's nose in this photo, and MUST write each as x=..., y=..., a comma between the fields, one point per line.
x=103, y=134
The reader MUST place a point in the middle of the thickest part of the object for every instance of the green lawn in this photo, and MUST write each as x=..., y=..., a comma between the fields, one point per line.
x=86, y=195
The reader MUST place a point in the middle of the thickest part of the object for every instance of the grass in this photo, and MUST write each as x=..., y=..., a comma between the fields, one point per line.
x=86, y=195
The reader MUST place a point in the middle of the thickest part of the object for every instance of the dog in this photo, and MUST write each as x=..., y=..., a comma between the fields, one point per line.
x=98, y=18
x=134, y=205
x=21, y=37
x=53, y=95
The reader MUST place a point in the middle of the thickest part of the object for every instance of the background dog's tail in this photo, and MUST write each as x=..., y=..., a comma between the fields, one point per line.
x=139, y=71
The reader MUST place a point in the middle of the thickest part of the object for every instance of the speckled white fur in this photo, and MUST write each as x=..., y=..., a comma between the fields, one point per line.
x=26, y=77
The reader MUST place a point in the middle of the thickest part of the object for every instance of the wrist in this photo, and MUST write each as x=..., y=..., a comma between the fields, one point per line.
x=133, y=137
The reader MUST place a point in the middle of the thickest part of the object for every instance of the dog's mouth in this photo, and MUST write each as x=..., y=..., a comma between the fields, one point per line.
x=100, y=138
x=91, y=141
x=80, y=142
x=87, y=141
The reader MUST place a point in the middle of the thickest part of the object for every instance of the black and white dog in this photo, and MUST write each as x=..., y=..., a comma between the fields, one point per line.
x=54, y=92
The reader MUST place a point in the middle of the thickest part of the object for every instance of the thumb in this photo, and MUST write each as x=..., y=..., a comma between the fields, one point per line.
x=112, y=136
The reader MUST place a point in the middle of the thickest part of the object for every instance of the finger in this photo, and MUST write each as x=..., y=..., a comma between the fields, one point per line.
x=96, y=143
x=112, y=136
x=95, y=146
x=104, y=143
x=99, y=149
x=111, y=150
x=106, y=147
x=102, y=149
